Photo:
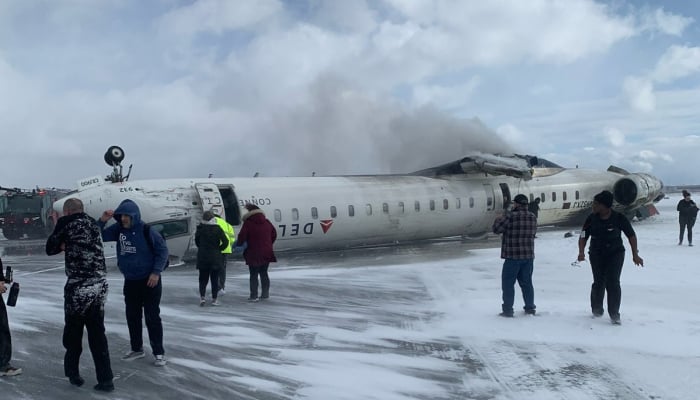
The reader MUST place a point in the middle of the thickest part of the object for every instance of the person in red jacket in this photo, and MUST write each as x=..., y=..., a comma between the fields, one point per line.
x=257, y=236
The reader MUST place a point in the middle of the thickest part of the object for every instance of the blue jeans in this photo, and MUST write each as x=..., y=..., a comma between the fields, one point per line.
x=520, y=270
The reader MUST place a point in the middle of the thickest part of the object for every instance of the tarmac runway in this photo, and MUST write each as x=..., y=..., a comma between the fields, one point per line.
x=339, y=325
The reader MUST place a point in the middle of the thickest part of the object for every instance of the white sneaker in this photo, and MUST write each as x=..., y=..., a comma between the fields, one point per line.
x=10, y=371
x=222, y=292
x=215, y=303
x=133, y=355
x=202, y=302
x=160, y=361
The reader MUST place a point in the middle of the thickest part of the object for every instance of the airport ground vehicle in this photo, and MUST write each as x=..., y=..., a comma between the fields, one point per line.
x=27, y=213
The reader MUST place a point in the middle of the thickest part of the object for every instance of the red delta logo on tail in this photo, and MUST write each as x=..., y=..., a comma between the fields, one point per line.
x=326, y=224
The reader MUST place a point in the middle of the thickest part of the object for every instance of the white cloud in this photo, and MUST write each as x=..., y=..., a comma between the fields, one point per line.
x=676, y=63
x=614, y=136
x=639, y=93
x=217, y=16
x=664, y=22
x=501, y=32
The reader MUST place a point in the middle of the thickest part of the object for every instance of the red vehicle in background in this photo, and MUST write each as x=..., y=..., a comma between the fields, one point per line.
x=28, y=213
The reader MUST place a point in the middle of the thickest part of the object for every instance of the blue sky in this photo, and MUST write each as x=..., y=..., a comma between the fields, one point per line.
x=231, y=88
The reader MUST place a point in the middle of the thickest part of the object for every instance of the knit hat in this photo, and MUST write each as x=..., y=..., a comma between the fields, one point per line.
x=521, y=199
x=605, y=198
x=208, y=215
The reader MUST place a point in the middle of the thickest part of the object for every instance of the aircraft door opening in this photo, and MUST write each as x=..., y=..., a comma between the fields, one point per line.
x=233, y=213
x=210, y=198
x=505, y=190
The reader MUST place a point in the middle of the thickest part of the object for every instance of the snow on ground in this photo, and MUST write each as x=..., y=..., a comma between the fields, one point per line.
x=416, y=322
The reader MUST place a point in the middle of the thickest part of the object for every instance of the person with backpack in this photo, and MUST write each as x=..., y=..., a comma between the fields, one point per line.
x=141, y=257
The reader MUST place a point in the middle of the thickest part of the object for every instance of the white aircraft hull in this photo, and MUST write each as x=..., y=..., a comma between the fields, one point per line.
x=317, y=213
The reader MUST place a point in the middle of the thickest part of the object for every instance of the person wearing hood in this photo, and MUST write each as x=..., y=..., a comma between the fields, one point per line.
x=257, y=237
x=141, y=260
x=211, y=241
x=85, y=292
x=687, y=213
x=607, y=253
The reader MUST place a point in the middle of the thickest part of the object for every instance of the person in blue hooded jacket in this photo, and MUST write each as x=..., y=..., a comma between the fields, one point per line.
x=141, y=261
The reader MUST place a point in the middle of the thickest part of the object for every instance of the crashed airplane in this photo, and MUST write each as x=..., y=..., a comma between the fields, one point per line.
x=460, y=198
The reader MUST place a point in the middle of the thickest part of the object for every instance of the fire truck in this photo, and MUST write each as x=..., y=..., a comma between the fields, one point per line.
x=27, y=213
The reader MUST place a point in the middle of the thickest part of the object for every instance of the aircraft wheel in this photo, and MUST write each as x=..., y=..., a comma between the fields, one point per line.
x=114, y=155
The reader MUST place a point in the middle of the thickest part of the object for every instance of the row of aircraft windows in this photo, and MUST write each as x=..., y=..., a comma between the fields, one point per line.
x=368, y=209
x=543, y=196
x=416, y=206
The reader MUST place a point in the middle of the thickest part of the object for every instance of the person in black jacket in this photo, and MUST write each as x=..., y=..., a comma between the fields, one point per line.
x=6, y=369
x=211, y=241
x=85, y=292
x=607, y=253
x=687, y=212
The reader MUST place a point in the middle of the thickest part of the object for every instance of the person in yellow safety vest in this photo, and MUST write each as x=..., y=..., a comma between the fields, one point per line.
x=228, y=230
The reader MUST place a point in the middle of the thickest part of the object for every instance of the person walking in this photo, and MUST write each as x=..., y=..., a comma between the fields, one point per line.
x=534, y=207
x=257, y=236
x=6, y=369
x=517, y=228
x=85, y=292
x=687, y=213
x=211, y=241
x=604, y=227
x=141, y=256
x=231, y=235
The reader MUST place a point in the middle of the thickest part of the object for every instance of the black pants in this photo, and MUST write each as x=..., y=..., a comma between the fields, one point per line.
x=607, y=268
x=205, y=275
x=222, y=273
x=686, y=223
x=264, y=280
x=94, y=322
x=143, y=301
x=5, y=338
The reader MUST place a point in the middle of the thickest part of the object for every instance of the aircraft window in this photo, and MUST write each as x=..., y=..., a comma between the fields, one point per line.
x=489, y=202
x=416, y=205
x=445, y=204
x=432, y=205
x=543, y=197
x=334, y=212
x=368, y=207
x=471, y=202
x=314, y=212
x=401, y=208
x=577, y=195
x=459, y=202
x=278, y=215
x=563, y=196
x=554, y=196
x=351, y=210
x=295, y=214
x=385, y=208
x=171, y=228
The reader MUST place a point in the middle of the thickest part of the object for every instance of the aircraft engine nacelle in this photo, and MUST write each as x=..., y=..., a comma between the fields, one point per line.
x=635, y=190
